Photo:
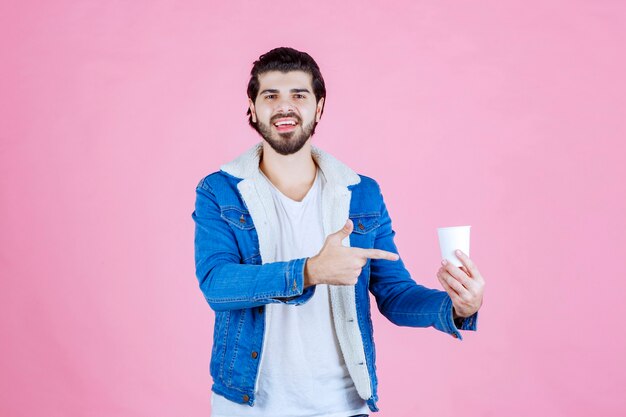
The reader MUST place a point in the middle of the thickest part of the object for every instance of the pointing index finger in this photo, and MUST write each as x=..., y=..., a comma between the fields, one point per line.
x=378, y=254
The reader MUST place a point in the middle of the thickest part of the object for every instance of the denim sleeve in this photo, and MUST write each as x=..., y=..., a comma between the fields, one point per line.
x=399, y=298
x=228, y=284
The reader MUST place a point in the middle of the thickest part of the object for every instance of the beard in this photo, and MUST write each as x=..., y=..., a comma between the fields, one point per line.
x=287, y=143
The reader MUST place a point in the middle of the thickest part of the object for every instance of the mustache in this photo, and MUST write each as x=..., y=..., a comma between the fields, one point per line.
x=282, y=116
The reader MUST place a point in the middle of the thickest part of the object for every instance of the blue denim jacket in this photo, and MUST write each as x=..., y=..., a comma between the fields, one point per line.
x=235, y=259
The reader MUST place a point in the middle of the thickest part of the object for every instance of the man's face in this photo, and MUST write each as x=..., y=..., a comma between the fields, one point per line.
x=285, y=110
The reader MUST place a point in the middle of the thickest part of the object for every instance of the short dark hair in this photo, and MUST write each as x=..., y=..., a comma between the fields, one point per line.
x=285, y=59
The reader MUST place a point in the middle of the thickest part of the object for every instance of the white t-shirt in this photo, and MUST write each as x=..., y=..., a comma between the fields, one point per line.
x=302, y=371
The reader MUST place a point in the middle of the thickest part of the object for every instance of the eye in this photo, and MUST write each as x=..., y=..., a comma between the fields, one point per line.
x=299, y=96
x=270, y=96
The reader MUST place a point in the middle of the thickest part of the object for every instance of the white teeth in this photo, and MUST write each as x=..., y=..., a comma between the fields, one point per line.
x=286, y=122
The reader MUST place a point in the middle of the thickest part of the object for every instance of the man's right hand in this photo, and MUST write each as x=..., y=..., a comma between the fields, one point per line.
x=336, y=264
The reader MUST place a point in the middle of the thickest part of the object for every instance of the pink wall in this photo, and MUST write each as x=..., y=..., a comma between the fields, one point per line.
x=506, y=115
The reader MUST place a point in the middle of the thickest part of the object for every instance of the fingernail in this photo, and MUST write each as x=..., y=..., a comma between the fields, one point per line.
x=458, y=252
x=444, y=262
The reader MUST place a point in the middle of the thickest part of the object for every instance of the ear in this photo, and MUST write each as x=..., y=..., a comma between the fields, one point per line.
x=318, y=111
x=252, y=111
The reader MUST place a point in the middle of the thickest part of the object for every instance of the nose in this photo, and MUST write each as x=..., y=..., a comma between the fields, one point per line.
x=285, y=106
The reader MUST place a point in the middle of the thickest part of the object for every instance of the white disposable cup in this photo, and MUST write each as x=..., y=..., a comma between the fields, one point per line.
x=451, y=239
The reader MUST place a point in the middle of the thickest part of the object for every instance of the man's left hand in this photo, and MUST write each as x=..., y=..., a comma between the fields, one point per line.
x=464, y=284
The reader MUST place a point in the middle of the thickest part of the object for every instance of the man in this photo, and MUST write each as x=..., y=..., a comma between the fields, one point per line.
x=288, y=242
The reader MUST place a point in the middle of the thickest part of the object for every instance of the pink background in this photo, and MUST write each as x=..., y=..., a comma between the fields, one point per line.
x=506, y=115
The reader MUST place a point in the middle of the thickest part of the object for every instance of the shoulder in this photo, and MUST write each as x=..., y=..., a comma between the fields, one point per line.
x=367, y=185
x=217, y=180
x=366, y=196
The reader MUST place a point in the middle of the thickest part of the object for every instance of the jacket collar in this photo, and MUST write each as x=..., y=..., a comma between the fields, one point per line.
x=336, y=172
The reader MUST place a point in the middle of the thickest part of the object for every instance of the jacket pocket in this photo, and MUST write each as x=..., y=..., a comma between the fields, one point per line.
x=364, y=223
x=364, y=232
x=241, y=222
x=237, y=217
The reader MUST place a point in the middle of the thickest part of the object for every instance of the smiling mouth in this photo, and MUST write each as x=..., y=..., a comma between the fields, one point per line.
x=285, y=125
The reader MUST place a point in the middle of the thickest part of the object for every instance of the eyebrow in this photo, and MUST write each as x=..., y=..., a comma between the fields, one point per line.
x=293, y=90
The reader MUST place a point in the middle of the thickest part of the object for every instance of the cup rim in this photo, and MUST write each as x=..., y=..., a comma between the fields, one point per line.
x=453, y=227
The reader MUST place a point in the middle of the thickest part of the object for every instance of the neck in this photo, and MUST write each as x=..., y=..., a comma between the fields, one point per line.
x=288, y=171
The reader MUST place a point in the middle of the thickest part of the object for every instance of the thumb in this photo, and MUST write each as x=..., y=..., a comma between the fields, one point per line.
x=343, y=232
